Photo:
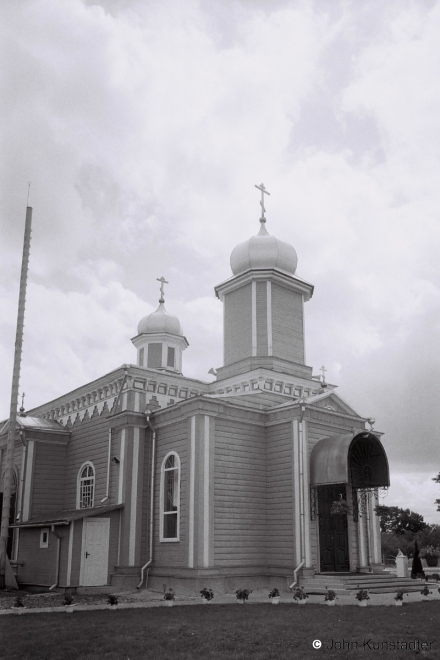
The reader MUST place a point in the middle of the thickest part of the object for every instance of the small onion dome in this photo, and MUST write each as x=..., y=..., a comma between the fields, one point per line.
x=160, y=321
x=263, y=251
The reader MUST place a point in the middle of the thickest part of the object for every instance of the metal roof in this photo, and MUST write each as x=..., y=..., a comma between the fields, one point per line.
x=332, y=460
x=64, y=517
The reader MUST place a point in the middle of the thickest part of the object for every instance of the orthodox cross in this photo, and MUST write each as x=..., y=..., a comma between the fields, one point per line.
x=262, y=187
x=162, y=281
x=323, y=369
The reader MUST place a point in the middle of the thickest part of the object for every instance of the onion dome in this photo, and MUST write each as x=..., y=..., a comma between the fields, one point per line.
x=160, y=321
x=262, y=252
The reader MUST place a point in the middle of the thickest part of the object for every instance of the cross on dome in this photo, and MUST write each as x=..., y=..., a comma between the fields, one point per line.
x=323, y=369
x=262, y=187
x=162, y=281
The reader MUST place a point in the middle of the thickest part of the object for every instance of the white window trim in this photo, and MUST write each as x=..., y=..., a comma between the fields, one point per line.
x=44, y=544
x=78, y=484
x=162, y=513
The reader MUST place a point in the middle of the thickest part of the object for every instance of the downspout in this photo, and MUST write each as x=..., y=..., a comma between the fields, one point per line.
x=295, y=575
x=301, y=481
x=57, y=572
x=153, y=451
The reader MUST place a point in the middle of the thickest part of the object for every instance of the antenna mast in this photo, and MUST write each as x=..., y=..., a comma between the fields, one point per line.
x=9, y=463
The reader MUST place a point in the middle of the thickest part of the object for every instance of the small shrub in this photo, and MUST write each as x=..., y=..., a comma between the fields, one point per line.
x=435, y=576
x=425, y=591
x=169, y=594
x=243, y=594
x=112, y=600
x=207, y=594
x=274, y=593
x=19, y=602
x=68, y=599
x=400, y=594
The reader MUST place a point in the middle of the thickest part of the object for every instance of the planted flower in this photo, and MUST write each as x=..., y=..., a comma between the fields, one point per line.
x=169, y=594
x=339, y=508
x=299, y=595
x=112, y=600
x=243, y=594
x=362, y=596
x=275, y=593
x=207, y=594
x=330, y=595
x=399, y=594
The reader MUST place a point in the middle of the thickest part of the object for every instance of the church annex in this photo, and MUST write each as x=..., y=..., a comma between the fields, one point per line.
x=144, y=476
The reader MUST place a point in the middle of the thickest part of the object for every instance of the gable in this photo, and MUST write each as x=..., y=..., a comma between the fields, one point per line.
x=333, y=403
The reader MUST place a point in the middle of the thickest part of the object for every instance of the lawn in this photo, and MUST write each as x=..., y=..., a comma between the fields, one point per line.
x=222, y=632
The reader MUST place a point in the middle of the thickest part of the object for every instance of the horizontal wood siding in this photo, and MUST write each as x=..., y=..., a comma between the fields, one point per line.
x=238, y=324
x=240, y=495
x=287, y=324
x=280, y=511
x=40, y=563
x=49, y=478
x=89, y=442
x=172, y=438
x=145, y=500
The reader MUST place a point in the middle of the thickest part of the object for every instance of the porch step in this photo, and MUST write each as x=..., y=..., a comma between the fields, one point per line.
x=346, y=583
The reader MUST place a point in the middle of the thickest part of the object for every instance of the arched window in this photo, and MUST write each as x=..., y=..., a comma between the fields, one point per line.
x=170, y=498
x=86, y=486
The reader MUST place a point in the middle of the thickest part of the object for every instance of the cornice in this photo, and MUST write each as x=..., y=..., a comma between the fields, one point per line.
x=271, y=274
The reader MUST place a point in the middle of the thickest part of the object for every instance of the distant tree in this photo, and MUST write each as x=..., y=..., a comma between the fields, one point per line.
x=437, y=481
x=397, y=521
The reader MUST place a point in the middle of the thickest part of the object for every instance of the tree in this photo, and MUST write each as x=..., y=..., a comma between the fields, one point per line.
x=437, y=481
x=398, y=521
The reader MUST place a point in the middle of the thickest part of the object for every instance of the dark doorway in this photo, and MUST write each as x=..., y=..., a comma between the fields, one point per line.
x=333, y=533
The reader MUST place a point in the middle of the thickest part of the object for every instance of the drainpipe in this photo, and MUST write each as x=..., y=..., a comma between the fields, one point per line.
x=57, y=571
x=153, y=451
x=295, y=575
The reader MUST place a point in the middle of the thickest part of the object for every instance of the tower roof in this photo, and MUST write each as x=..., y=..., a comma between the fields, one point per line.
x=160, y=321
x=263, y=251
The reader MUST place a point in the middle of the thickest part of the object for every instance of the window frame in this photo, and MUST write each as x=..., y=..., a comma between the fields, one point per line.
x=79, y=485
x=163, y=513
x=44, y=543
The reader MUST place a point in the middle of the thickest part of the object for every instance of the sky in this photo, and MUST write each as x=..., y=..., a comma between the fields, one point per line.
x=143, y=127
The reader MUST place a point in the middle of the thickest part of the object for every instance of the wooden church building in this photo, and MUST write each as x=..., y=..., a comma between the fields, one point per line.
x=145, y=476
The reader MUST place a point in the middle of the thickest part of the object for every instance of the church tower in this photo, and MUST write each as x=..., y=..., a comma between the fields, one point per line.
x=160, y=340
x=264, y=307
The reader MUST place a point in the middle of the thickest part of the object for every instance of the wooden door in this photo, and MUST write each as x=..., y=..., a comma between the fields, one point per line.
x=333, y=534
x=94, y=563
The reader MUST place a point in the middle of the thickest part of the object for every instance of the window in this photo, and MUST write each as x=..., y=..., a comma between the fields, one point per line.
x=154, y=356
x=86, y=486
x=170, y=498
x=141, y=357
x=44, y=537
x=171, y=356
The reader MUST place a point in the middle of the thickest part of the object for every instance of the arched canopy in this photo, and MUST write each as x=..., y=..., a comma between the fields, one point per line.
x=358, y=458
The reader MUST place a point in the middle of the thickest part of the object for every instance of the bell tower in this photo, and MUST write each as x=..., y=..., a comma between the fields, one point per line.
x=264, y=307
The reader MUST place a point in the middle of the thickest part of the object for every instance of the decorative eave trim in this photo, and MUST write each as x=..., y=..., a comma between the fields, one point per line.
x=150, y=337
x=271, y=274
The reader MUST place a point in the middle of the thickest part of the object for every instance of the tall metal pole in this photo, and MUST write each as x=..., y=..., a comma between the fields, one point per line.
x=9, y=463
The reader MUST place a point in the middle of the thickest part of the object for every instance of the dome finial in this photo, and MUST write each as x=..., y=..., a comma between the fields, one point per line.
x=162, y=281
x=262, y=187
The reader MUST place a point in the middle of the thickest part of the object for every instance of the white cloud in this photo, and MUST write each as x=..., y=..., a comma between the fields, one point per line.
x=143, y=128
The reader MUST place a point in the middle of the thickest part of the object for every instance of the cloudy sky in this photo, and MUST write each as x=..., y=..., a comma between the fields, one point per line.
x=143, y=127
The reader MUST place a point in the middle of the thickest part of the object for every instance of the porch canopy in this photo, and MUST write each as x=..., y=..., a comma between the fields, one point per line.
x=357, y=458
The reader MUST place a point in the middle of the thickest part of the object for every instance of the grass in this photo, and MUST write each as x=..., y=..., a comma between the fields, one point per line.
x=221, y=632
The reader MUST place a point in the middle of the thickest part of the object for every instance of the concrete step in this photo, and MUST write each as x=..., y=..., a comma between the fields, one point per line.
x=349, y=583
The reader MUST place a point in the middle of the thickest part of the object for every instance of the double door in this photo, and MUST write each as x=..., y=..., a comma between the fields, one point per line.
x=333, y=532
